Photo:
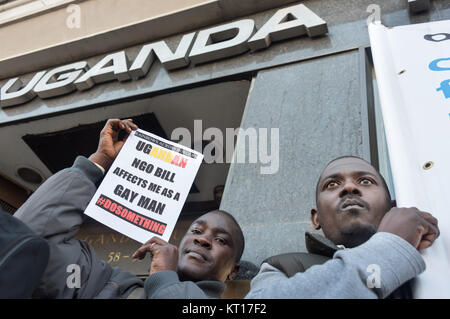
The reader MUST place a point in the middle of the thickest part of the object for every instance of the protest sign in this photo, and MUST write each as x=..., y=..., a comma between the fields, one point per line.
x=145, y=189
x=413, y=77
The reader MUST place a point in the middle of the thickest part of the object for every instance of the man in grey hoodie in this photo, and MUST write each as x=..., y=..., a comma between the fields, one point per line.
x=209, y=252
x=376, y=245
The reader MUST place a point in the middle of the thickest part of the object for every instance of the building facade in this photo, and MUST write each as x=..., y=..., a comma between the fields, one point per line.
x=295, y=76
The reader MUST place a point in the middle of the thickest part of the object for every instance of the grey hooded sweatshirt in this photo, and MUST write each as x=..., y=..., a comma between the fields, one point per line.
x=372, y=270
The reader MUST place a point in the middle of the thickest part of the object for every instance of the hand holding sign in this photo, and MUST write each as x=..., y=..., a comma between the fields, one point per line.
x=109, y=145
x=147, y=183
x=164, y=255
x=418, y=228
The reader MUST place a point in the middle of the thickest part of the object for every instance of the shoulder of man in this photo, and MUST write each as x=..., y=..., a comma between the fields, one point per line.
x=292, y=263
x=320, y=250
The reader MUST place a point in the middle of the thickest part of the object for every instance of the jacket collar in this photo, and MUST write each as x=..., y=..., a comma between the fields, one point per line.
x=320, y=245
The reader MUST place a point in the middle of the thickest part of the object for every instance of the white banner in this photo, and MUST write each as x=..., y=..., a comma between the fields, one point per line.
x=412, y=65
x=145, y=189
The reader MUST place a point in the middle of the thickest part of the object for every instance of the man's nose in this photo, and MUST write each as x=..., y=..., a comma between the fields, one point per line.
x=202, y=241
x=350, y=189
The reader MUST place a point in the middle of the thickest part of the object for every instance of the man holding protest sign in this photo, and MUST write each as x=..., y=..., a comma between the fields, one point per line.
x=382, y=242
x=209, y=253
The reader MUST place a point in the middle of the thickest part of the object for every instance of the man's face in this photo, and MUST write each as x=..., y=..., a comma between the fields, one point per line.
x=207, y=251
x=351, y=201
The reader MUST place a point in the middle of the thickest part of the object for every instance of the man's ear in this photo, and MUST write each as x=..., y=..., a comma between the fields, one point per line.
x=315, y=219
x=233, y=272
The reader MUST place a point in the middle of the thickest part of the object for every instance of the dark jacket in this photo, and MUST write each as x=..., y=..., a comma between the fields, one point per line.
x=23, y=258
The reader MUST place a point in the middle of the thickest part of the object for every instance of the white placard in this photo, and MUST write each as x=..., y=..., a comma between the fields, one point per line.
x=412, y=65
x=145, y=189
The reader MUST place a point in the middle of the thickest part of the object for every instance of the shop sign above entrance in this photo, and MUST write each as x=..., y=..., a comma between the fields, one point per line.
x=194, y=48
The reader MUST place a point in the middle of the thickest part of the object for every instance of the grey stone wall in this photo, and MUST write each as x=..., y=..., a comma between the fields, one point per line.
x=316, y=106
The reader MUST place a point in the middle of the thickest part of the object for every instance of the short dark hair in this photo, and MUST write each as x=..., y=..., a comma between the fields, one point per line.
x=240, y=242
x=352, y=156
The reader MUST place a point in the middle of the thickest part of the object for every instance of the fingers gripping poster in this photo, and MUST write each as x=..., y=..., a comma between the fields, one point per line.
x=145, y=189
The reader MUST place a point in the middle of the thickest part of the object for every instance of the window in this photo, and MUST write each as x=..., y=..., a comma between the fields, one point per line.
x=379, y=153
x=383, y=154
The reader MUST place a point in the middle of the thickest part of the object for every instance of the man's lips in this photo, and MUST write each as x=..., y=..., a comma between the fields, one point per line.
x=196, y=254
x=352, y=203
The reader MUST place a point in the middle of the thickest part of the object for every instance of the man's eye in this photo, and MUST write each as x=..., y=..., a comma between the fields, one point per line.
x=196, y=231
x=366, y=181
x=221, y=241
x=331, y=184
